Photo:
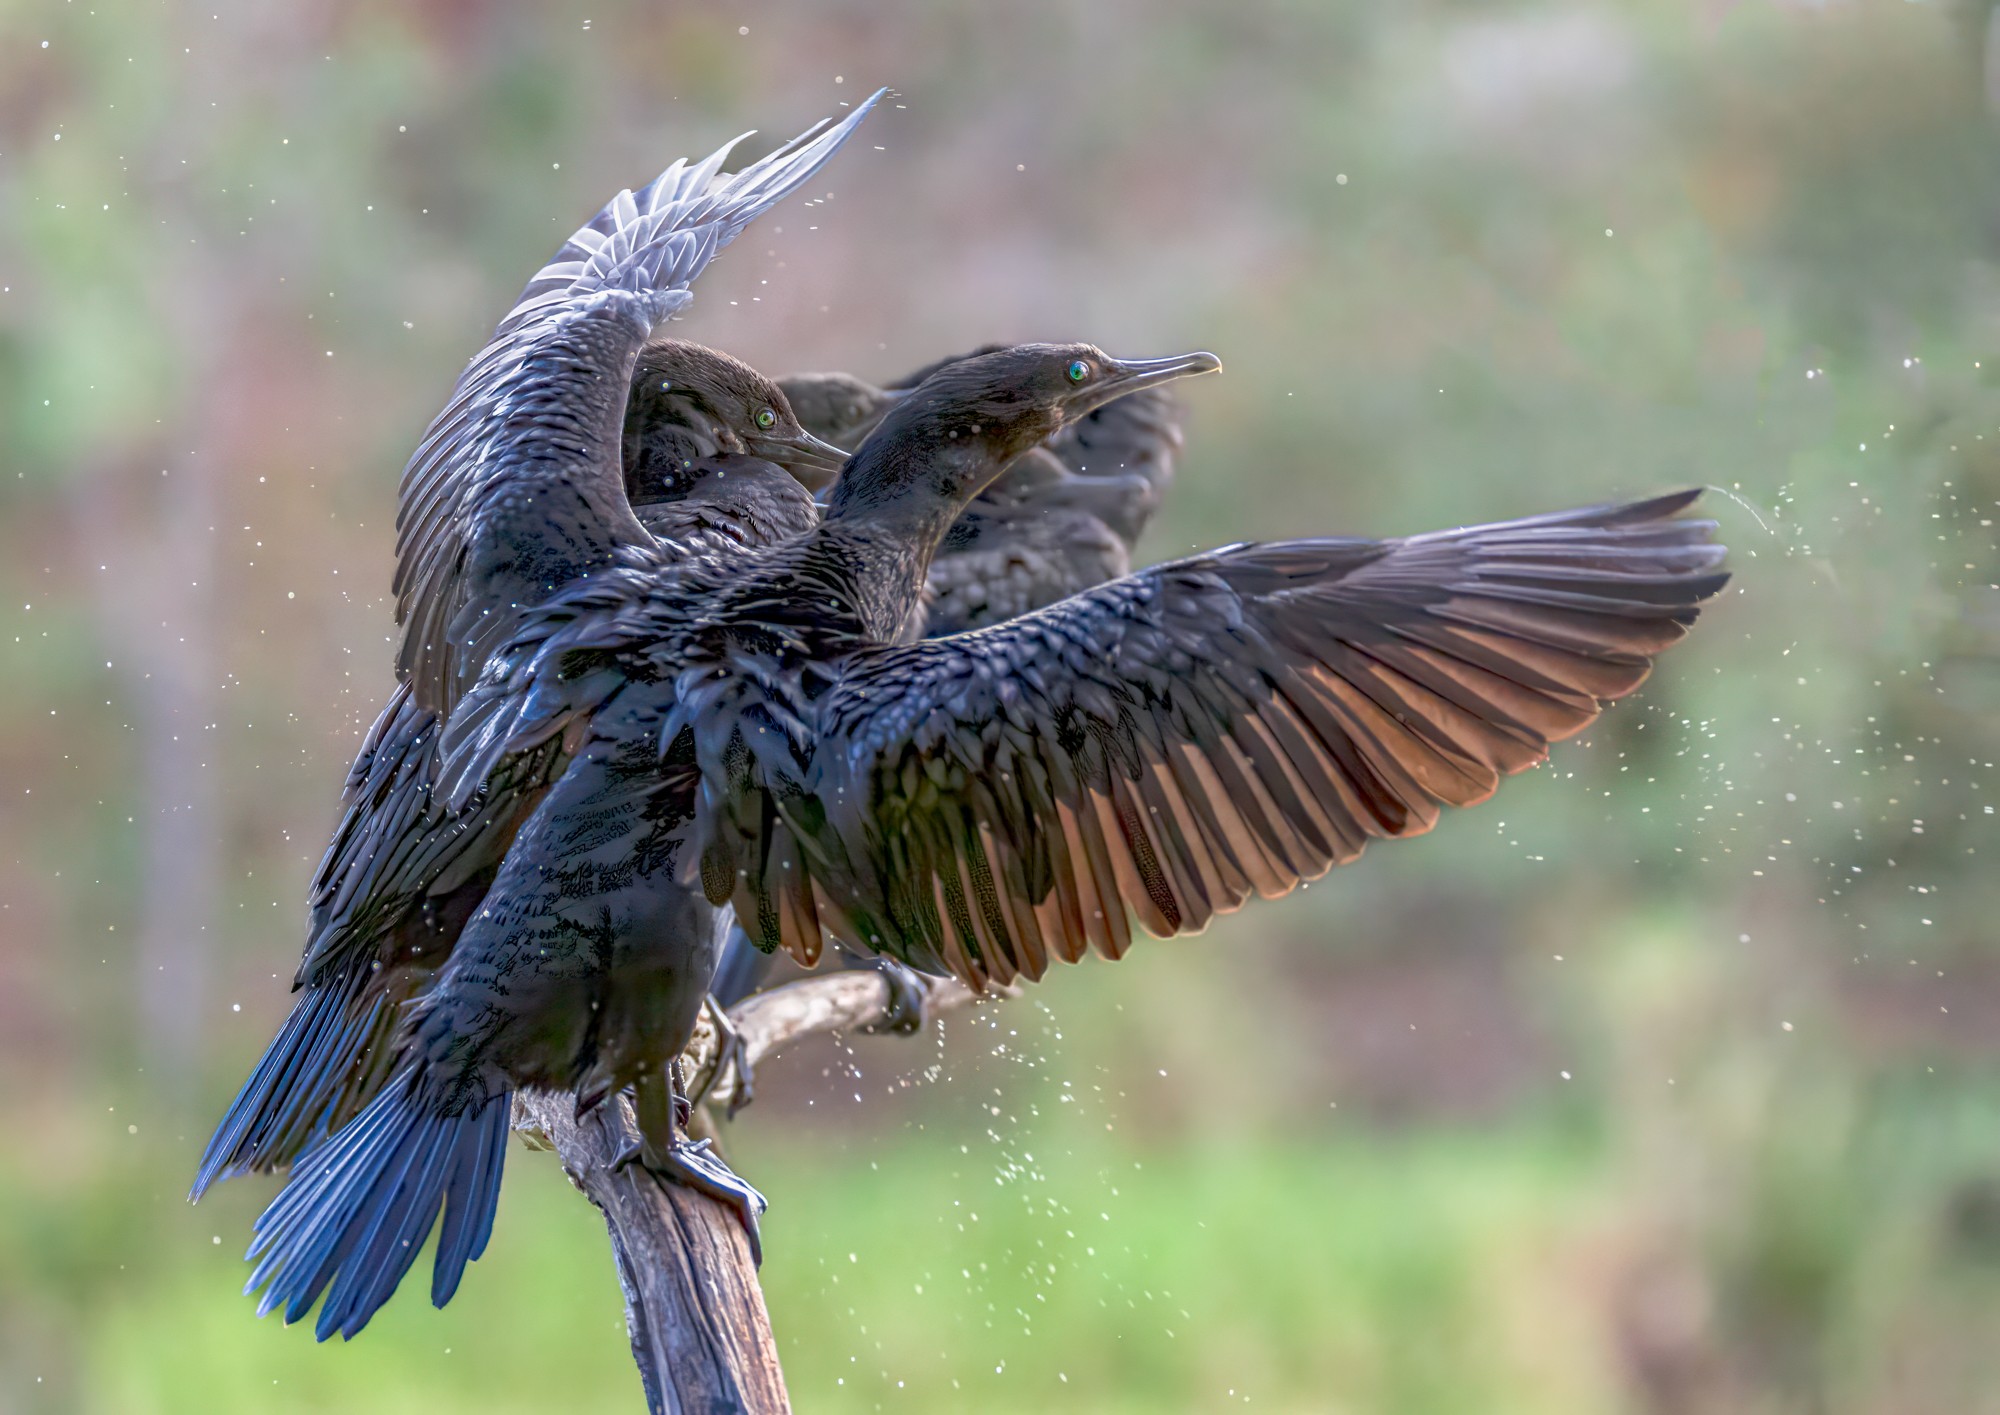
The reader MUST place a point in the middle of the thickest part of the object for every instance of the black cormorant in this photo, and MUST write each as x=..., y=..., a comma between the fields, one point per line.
x=516, y=489
x=702, y=435
x=1063, y=518
x=586, y=962
x=1160, y=747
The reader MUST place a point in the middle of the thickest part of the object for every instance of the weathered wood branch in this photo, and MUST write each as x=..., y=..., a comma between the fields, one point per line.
x=700, y=1334
x=693, y=1310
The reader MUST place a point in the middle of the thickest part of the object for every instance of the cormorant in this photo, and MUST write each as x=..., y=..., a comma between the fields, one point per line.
x=1061, y=519
x=587, y=960
x=516, y=489
x=704, y=434
x=688, y=404
x=1161, y=747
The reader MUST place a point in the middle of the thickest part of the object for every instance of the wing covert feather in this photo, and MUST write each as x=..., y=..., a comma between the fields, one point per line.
x=517, y=487
x=1162, y=747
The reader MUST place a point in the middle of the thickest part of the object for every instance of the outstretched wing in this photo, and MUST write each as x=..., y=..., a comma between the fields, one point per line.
x=1166, y=745
x=517, y=486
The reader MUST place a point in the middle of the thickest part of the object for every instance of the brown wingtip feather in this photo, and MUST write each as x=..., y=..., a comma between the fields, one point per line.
x=1242, y=722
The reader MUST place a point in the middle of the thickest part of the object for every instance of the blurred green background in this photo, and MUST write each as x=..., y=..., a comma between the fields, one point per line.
x=1669, y=1081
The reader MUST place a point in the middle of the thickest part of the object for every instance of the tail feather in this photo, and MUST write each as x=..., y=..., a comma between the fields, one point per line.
x=286, y=1103
x=361, y=1204
x=468, y=1214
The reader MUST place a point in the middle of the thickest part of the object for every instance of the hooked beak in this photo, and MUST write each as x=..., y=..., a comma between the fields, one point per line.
x=1131, y=375
x=813, y=460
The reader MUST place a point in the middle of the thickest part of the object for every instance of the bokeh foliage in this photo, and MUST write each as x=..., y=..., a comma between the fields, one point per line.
x=1669, y=1081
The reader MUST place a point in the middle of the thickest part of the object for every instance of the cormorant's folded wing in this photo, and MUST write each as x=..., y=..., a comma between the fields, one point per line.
x=517, y=485
x=396, y=883
x=1166, y=745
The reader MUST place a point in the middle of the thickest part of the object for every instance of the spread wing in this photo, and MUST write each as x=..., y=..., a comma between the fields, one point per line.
x=517, y=485
x=1167, y=745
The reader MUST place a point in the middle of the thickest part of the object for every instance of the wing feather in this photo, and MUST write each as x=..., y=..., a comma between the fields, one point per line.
x=1158, y=749
x=517, y=487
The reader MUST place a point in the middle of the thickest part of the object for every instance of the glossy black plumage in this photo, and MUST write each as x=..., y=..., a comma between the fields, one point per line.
x=1060, y=519
x=585, y=962
x=688, y=404
x=611, y=963
x=1161, y=747
x=516, y=486
x=402, y=875
x=382, y=1180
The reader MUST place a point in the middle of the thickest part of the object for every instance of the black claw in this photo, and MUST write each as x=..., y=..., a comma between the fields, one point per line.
x=736, y=1059
x=693, y=1164
x=909, y=998
x=696, y=1166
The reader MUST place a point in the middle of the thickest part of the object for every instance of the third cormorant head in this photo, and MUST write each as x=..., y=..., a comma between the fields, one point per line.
x=689, y=402
x=959, y=428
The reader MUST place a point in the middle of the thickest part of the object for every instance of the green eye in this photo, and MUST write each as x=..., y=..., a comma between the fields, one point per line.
x=1079, y=371
x=766, y=417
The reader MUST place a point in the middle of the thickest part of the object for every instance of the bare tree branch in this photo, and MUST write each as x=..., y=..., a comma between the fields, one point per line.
x=693, y=1310
x=772, y=1021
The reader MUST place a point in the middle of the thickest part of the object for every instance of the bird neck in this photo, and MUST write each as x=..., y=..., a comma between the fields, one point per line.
x=674, y=442
x=888, y=514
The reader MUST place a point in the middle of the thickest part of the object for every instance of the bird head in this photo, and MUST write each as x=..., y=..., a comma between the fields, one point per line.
x=959, y=428
x=689, y=403
x=844, y=407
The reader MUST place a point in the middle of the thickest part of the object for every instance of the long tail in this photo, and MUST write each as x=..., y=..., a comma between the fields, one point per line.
x=360, y=1205
x=289, y=1100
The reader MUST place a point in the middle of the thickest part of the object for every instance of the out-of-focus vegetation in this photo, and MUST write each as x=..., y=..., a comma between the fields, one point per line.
x=1669, y=1081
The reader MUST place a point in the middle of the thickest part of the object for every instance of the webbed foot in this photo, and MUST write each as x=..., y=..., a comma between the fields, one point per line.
x=909, y=998
x=661, y=1109
x=694, y=1164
